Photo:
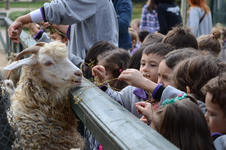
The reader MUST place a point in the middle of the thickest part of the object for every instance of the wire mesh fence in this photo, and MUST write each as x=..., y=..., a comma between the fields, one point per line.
x=9, y=133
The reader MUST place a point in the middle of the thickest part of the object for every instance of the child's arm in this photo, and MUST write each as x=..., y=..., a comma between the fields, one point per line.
x=135, y=78
x=146, y=109
x=35, y=28
x=38, y=33
x=99, y=73
x=62, y=28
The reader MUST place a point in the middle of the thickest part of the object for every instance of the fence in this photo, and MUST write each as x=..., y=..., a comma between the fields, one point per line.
x=111, y=124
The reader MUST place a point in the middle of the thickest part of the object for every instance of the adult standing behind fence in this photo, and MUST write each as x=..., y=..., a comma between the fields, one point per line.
x=168, y=15
x=200, y=19
x=91, y=21
x=124, y=9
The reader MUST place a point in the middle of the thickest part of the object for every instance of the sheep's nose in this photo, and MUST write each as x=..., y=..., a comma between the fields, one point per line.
x=78, y=73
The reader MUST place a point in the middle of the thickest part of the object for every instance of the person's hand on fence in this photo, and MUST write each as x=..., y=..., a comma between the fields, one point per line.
x=15, y=30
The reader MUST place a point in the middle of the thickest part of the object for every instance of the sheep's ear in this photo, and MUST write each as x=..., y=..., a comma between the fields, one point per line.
x=40, y=44
x=27, y=61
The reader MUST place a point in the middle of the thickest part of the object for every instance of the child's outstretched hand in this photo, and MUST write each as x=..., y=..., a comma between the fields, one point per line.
x=132, y=77
x=99, y=73
x=33, y=27
x=145, y=108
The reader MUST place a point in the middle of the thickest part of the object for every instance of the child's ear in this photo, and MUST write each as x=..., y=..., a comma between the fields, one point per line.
x=188, y=90
x=134, y=43
x=65, y=40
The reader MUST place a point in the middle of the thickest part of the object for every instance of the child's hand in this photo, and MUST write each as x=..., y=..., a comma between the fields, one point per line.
x=132, y=77
x=144, y=108
x=144, y=119
x=99, y=73
x=33, y=27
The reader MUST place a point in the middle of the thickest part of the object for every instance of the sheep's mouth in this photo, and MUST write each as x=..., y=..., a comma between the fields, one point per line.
x=73, y=81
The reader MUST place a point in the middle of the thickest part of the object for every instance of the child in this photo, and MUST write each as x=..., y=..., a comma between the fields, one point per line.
x=142, y=35
x=41, y=36
x=216, y=109
x=135, y=24
x=153, y=38
x=135, y=60
x=188, y=76
x=210, y=44
x=181, y=37
x=91, y=57
x=180, y=121
x=223, y=37
x=134, y=38
x=170, y=61
x=151, y=57
x=149, y=18
x=114, y=63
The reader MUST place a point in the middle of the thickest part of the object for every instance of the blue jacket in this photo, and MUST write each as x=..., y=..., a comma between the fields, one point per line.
x=123, y=9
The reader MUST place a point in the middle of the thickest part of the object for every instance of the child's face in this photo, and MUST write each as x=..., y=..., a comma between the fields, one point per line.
x=56, y=37
x=163, y=74
x=149, y=65
x=215, y=117
x=135, y=27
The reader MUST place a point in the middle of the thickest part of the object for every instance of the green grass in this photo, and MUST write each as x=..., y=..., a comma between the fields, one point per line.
x=137, y=10
x=23, y=4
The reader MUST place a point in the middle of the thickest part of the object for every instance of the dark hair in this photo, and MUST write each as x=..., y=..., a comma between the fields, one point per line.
x=210, y=43
x=116, y=61
x=159, y=49
x=91, y=56
x=195, y=72
x=135, y=60
x=217, y=86
x=151, y=6
x=142, y=34
x=181, y=37
x=153, y=38
x=183, y=124
x=176, y=56
x=156, y=2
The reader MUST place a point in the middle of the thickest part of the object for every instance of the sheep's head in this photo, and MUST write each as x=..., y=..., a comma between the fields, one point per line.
x=53, y=63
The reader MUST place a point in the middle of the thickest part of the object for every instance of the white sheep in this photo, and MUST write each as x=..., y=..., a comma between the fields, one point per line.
x=8, y=84
x=40, y=103
x=15, y=75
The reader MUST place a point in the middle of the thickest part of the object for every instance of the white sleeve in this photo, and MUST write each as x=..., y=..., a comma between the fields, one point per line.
x=36, y=16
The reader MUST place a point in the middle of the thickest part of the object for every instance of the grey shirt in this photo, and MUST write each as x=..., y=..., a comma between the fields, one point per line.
x=205, y=27
x=91, y=21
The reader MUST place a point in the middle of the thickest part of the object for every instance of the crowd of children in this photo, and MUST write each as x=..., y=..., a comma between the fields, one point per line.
x=173, y=81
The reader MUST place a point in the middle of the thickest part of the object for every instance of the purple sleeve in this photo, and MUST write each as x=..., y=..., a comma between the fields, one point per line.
x=38, y=36
x=68, y=32
x=43, y=13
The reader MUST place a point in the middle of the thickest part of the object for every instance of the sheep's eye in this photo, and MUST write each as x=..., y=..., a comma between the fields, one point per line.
x=48, y=63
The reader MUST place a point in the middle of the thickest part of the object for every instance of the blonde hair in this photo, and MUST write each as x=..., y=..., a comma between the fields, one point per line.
x=133, y=34
x=211, y=43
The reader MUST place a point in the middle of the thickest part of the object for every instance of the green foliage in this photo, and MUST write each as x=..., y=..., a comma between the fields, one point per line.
x=23, y=5
x=14, y=15
x=137, y=10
